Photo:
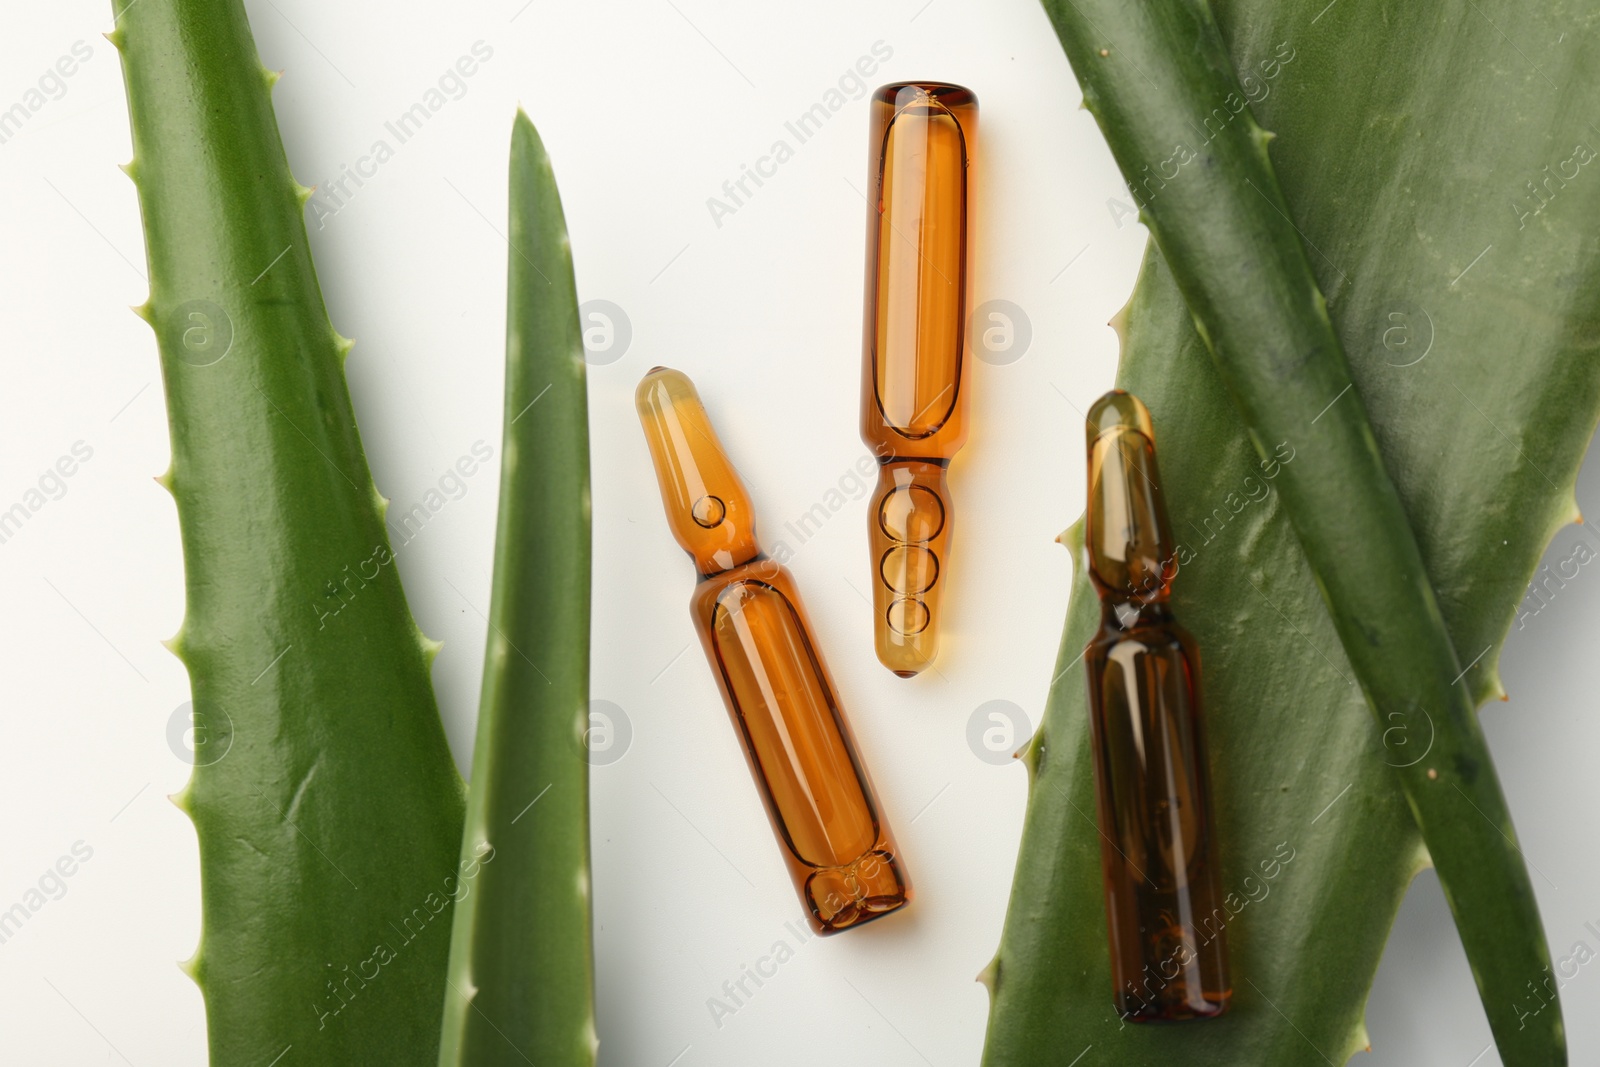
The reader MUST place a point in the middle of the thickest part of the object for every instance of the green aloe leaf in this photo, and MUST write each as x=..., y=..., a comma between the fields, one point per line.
x=1439, y=180
x=521, y=968
x=329, y=827
x=1279, y=358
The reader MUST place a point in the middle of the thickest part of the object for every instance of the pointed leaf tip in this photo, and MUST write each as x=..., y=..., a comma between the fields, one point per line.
x=525, y=133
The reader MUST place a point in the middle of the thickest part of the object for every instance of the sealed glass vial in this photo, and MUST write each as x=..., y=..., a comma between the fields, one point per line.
x=757, y=638
x=915, y=366
x=1169, y=955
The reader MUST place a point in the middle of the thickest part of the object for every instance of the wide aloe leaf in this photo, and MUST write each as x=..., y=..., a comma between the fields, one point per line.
x=1279, y=358
x=521, y=966
x=328, y=808
x=1465, y=299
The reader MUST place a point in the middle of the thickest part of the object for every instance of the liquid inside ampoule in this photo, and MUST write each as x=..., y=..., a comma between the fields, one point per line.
x=915, y=363
x=753, y=627
x=1169, y=956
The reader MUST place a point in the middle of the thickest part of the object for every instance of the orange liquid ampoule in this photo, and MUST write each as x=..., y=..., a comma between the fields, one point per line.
x=837, y=845
x=1169, y=954
x=914, y=368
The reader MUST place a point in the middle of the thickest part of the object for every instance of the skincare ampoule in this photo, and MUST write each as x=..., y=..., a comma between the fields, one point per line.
x=1169, y=955
x=915, y=363
x=759, y=643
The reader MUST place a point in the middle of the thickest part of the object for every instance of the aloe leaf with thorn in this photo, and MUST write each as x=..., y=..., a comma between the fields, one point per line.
x=1411, y=491
x=521, y=972
x=329, y=830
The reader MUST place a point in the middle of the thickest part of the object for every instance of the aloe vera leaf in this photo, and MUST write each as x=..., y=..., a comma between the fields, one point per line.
x=521, y=979
x=1397, y=185
x=1224, y=230
x=1243, y=270
x=329, y=827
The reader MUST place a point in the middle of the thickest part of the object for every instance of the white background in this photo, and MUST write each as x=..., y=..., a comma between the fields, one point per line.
x=647, y=108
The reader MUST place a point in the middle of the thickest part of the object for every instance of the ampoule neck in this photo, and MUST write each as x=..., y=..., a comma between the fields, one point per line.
x=724, y=561
x=1124, y=615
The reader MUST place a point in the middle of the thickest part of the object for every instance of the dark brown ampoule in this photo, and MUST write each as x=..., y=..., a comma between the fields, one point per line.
x=914, y=367
x=1169, y=954
x=783, y=703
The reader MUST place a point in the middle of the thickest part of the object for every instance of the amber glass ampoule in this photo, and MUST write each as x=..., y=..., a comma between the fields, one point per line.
x=915, y=366
x=757, y=638
x=1169, y=954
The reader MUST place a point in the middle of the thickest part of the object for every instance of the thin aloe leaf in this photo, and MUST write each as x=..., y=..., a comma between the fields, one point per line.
x=328, y=809
x=521, y=984
x=1419, y=204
